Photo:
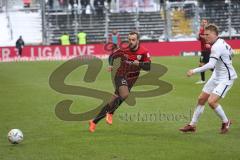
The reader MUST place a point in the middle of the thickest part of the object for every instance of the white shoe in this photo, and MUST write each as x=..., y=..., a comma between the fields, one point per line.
x=200, y=82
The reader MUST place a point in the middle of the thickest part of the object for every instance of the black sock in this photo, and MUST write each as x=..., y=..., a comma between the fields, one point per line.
x=102, y=114
x=203, y=76
x=116, y=103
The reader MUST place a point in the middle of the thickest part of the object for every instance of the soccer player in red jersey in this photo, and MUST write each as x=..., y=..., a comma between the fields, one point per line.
x=205, y=50
x=133, y=58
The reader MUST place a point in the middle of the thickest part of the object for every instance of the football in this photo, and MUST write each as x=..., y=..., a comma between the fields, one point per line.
x=15, y=136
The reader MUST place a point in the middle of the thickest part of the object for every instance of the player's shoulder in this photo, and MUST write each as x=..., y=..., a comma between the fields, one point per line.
x=218, y=44
x=201, y=30
x=118, y=51
x=143, y=50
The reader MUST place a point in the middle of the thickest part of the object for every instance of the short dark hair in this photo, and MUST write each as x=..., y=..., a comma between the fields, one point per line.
x=213, y=28
x=135, y=33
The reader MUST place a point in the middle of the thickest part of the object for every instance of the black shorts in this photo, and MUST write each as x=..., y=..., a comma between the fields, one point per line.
x=122, y=81
x=204, y=57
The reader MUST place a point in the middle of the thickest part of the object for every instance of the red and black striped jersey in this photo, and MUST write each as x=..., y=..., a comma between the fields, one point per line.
x=202, y=40
x=127, y=68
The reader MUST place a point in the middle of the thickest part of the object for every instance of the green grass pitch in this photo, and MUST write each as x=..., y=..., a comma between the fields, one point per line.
x=27, y=102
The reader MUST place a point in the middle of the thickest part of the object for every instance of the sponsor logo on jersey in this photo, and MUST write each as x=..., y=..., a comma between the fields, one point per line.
x=139, y=57
x=124, y=81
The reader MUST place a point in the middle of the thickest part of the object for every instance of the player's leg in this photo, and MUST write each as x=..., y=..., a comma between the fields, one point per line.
x=123, y=88
x=202, y=99
x=109, y=114
x=202, y=62
x=108, y=110
x=101, y=115
x=205, y=60
x=202, y=75
x=20, y=51
x=103, y=111
x=191, y=127
x=123, y=94
x=219, y=92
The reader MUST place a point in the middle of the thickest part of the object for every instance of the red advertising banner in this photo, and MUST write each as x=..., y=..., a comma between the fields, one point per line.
x=54, y=52
x=58, y=52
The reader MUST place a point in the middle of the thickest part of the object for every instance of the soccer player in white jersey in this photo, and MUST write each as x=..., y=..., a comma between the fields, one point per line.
x=220, y=82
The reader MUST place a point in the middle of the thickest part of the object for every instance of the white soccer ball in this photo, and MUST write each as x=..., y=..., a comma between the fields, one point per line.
x=15, y=136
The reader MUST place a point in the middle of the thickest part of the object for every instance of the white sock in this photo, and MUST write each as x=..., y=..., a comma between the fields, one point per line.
x=198, y=111
x=220, y=112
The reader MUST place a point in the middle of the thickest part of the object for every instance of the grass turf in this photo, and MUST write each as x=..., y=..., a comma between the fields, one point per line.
x=28, y=103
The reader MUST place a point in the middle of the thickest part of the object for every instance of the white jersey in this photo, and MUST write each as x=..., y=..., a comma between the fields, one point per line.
x=221, y=61
x=222, y=52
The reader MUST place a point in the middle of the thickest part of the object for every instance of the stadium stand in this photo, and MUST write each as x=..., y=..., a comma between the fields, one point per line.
x=181, y=24
x=58, y=23
x=14, y=3
x=150, y=25
x=218, y=12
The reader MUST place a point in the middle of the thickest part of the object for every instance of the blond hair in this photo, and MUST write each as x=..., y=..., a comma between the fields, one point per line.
x=213, y=28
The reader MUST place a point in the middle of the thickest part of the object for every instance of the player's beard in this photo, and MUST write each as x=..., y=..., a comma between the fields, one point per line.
x=133, y=47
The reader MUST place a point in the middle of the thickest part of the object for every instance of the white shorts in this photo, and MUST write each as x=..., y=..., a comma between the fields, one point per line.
x=219, y=88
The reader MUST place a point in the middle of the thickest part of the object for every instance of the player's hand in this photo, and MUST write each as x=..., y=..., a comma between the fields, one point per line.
x=110, y=68
x=190, y=73
x=136, y=62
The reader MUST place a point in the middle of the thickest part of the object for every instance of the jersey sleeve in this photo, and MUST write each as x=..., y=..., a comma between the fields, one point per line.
x=114, y=55
x=211, y=64
x=146, y=62
x=214, y=56
x=215, y=53
x=146, y=57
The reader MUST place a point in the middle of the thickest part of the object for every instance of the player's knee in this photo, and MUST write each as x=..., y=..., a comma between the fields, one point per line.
x=212, y=102
x=124, y=95
x=201, y=100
